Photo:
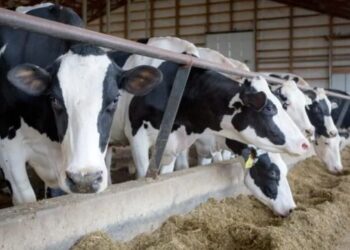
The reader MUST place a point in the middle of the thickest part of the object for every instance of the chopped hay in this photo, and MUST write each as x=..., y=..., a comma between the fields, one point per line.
x=322, y=218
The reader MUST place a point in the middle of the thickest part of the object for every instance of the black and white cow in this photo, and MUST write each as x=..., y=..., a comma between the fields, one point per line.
x=319, y=107
x=266, y=177
x=212, y=104
x=56, y=113
x=319, y=110
x=291, y=98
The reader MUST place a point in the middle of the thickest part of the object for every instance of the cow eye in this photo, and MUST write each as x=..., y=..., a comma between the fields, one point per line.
x=326, y=143
x=269, y=109
x=272, y=175
x=113, y=104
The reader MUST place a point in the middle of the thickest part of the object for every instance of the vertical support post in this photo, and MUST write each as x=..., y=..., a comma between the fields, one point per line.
x=100, y=24
x=256, y=35
x=291, y=33
x=147, y=17
x=177, y=17
x=128, y=14
x=231, y=15
x=168, y=119
x=126, y=20
x=108, y=16
x=207, y=15
x=151, y=25
x=330, y=52
x=84, y=12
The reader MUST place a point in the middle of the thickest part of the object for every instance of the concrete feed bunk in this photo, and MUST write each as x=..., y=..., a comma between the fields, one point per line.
x=321, y=220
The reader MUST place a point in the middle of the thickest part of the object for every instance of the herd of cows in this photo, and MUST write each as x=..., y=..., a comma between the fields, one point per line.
x=63, y=102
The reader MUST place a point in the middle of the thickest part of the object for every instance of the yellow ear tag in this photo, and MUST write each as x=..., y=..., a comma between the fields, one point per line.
x=250, y=161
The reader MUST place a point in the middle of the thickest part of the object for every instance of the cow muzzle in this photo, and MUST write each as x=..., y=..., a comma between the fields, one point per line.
x=84, y=182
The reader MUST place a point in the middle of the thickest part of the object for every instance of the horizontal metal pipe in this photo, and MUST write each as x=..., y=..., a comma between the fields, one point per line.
x=60, y=30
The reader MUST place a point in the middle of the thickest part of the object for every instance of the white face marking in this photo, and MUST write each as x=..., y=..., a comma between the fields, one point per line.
x=328, y=121
x=328, y=150
x=296, y=104
x=81, y=81
x=284, y=201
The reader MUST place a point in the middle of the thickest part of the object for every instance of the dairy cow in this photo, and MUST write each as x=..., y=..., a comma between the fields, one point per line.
x=56, y=113
x=319, y=110
x=266, y=177
x=211, y=104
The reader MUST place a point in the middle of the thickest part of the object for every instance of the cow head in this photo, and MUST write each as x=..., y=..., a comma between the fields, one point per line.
x=267, y=180
x=328, y=150
x=294, y=103
x=260, y=120
x=82, y=88
x=319, y=111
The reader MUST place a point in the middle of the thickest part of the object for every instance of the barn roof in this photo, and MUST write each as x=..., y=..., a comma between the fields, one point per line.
x=338, y=8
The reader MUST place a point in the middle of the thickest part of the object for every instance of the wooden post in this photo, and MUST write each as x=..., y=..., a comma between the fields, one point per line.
x=207, y=15
x=291, y=34
x=100, y=23
x=84, y=12
x=177, y=17
x=330, y=52
x=231, y=15
x=147, y=18
x=256, y=35
x=126, y=20
x=108, y=16
x=151, y=26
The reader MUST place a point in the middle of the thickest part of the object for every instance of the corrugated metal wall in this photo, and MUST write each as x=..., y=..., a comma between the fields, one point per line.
x=288, y=39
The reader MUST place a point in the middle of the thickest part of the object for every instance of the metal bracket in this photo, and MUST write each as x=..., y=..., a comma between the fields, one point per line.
x=168, y=119
x=343, y=113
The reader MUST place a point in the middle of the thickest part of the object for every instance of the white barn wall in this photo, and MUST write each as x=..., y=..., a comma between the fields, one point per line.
x=302, y=49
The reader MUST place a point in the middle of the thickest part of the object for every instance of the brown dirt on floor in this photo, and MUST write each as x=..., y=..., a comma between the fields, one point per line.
x=321, y=219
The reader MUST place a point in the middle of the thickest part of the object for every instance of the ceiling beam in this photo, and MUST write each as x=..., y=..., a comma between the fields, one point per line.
x=338, y=8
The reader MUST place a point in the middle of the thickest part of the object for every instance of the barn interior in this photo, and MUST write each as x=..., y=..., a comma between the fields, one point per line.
x=310, y=39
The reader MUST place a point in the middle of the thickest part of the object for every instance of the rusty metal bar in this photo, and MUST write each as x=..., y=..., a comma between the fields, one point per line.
x=60, y=30
x=168, y=119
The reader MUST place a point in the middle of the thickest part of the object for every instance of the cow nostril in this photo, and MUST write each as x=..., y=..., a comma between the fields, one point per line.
x=99, y=179
x=291, y=211
x=333, y=133
x=304, y=146
x=70, y=177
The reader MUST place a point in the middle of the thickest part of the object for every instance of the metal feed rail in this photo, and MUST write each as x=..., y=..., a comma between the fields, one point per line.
x=59, y=30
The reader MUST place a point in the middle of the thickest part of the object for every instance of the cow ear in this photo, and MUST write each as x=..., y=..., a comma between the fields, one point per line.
x=140, y=80
x=249, y=155
x=255, y=100
x=29, y=78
